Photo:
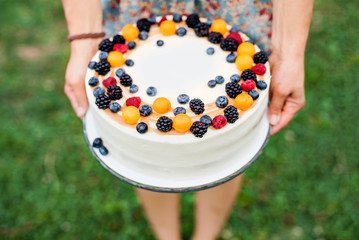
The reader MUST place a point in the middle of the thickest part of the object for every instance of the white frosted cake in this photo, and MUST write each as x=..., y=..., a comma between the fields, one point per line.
x=186, y=79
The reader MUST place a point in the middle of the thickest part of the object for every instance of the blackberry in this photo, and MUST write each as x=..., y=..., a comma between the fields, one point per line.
x=229, y=44
x=126, y=80
x=201, y=30
x=102, y=102
x=231, y=113
x=114, y=92
x=164, y=124
x=215, y=37
x=143, y=25
x=197, y=106
x=260, y=57
x=233, y=89
x=192, y=20
x=118, y=39
x=105, y=45
x=199, y=129
x=248, y=74
x=102, y=67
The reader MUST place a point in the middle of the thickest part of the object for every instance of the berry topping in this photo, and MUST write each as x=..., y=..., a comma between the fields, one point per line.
x=120, y=72
x=118, y=39
x=93, y=81
x=130, y=32
x=234, y=29
x=209, y=22
x=215, y=37
x=98, y=91
x=103, y=55
x=143, y=35
x=183, y=98
x=122, y=48
x=162, y=105
x=246, y=48
x=152, y=20
x=115, y=107
x=192, y=20
x=181, y=31
x=168, y=28
x=143, y=25
x=97, y=143
x=248, y=74
x=231, y=58
x=219, y=122
x=259, y=69
x=131, y=45
x=109, y=81
x=201, y=30
x=177, y=17
x=212, y=83
x=145, y=110
x=206, y=120
x=92, y=65
x=219, y=79
x=126, y=80
x=222, y=102
x=102, y=67
x=235, y=78
x=250, y=41
x=105, y=45
x=102, y=102
x=182, y=123
x=142, y=127
x=133, y=101
x=244, y=62
x=151, y=91
x=162, y=20
x=235, y=36
x=164, y=124
x=248, y=85
x=233, y=89
x=114, y=92
x=254, y=94
x=197, y=106
x=103, y=150
x=261, y=85
x=260, y=57
x=160, y=43
x=231, y=113
x=116, y=59
x=179, y=110
x=219, y=26
x=131, y=115
x=229, y=44
x=199, y=129
x=210, y=51
x=133, y=88
x=129, y=62
x=243, y=101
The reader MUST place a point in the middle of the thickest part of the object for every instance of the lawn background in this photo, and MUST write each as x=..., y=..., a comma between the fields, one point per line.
x=304, y=186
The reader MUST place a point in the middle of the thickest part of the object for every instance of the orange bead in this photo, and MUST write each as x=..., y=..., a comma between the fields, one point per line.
x=131, y=115
x=130, y=32
x=243, y=101
x=246, y=48
x=244, y=62
x=162, y=105
x=116, y=59
x=168, y=28
x=219, y=26
x=182, y=122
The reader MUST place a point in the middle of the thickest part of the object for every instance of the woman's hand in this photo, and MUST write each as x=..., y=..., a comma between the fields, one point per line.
x=286, y=89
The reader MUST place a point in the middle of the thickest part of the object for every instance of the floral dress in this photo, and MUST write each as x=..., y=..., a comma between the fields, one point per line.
x=253, y=17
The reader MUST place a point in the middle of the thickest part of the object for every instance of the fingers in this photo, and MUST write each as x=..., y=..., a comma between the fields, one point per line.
x=287, y=115
x=75, y=91
x=276, y=106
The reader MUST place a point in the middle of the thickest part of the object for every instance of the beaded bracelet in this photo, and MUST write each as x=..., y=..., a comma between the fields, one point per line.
x=70, y=38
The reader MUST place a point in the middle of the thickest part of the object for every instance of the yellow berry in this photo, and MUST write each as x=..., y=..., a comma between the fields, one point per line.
x=168, y=28
x=243, y=101
x=162, y=105
x=244, y=62
x=131, y=115
x=219, y=26
x=116, y=59
x=246, y=48
x=130, y=32
x=182, y=122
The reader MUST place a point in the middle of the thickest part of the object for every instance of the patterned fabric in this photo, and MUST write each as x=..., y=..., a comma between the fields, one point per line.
x=253, y=17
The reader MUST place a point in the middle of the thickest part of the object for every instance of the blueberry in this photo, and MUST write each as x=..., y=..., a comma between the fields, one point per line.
x=234, y=29
x=177, y=18
x=143, y=35
x=93, y=81
x=210, y=51
x=212, y=83
x=179, y=110
x=206, y=120
x=160, y=43
x=254, y=94
x=97, y=143
x=131, y=45
x=261, y=85
x=133, y=88
x=235, y=78
x=98, y=91
x=250, y=41
x=181, y=31
x=145, y=110
x=142, y=127
x=222, y=102
x=92, y=65
x=115, y=107
x=183, y=98
x=219, y=79
x=151, y=91
x=209, y=22
x=231, y=58
x=120, y=72
x=129, y=62
x=152, y=20
x=103, y=55
x=103, y=150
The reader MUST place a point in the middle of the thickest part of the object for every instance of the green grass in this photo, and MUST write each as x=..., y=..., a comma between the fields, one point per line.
x=304, y=186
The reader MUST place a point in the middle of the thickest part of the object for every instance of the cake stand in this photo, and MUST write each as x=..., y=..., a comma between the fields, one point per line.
x=164, y=180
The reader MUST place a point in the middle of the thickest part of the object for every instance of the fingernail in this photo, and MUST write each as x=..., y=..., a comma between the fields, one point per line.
x=273, y=119
x=80, y=111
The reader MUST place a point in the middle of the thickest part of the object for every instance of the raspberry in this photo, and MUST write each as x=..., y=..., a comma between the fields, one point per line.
x=162, y=20
x=199, y=129
x=109, y=81
x=102, y=67
x=201, y=30
x=102, y=101
x=126, y=80
x=219, y=122
x=260, y=57
x=215, y=37
x=259, y=69
x=233, y=89
x=118, y=39
x=143, y=25
x=105, y=45
x=122, y=48
x=235, y=36
x=248, y=74
x=164, y=124
x=192, y=20
x=231, y=114
x=229, y=44
x=114, y=92
x=248, y=85
x=197, y=106
x=133, y=101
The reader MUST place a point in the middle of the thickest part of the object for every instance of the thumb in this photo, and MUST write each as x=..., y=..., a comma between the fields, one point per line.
x=81, y=100
x=275, y=107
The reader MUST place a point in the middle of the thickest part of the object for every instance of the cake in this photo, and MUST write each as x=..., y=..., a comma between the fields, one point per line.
x=205, y=82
